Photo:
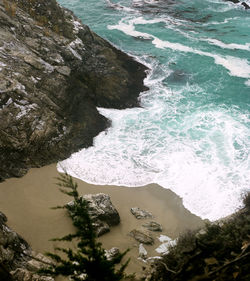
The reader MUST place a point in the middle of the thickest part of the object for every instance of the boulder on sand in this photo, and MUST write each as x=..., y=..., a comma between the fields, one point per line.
x=102, y=212
x=140, y=214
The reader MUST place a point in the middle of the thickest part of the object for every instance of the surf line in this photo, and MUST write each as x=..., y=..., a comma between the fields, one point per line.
x=236, y=66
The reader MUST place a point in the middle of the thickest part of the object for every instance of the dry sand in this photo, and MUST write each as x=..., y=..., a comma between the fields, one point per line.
x=26, y=202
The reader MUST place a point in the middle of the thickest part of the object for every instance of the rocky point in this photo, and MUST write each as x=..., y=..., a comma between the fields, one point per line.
x=54, y=72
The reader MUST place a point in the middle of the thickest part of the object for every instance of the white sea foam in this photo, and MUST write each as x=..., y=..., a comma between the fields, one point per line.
x=225, y=21
x=231, y=46
x=120, y=7
x=237, y=67
x=203, y=157
x=130, y=30
x=223, y=7
x=201, y=153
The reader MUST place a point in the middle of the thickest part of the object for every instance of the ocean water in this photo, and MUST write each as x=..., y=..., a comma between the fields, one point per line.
x=192, y=132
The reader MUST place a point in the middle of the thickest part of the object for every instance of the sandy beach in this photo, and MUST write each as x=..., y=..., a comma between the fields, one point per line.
x=27, y=201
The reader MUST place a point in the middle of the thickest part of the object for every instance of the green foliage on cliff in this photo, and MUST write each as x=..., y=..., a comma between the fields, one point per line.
x=88, y=260
x=221, y=251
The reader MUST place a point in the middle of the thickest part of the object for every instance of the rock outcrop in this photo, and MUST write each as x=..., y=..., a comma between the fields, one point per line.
x=54, y=72
x=102, y=212
x=140, y=214
x=17, y=261
x=244, y=4
x=153, y=226
x=142, y=236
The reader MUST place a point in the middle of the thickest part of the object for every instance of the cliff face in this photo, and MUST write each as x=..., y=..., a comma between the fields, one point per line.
x=54, y=71
x=17, y=261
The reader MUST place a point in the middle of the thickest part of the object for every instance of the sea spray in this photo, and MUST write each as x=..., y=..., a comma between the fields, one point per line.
x=192, y=131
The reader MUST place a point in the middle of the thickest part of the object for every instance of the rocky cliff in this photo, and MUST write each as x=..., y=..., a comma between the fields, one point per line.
x=17, y=261
x=54, y=71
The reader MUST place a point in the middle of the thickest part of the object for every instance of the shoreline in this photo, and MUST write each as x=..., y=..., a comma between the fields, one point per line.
x=27, y=201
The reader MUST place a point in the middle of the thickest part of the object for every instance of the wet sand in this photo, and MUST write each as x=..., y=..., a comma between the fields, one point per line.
x=27, y=201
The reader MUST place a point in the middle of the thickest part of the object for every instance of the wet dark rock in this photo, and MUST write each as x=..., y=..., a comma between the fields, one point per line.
x=54, y=71
x=153, y=226
x=102, y=212
x=140, y=214
x=244, y=4
x=3, y=218
x=17, y=261
x=234, y=1
x=142, y=236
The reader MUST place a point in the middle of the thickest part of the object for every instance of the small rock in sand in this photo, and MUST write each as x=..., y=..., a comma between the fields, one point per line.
x=141, y=236
x=153, y=226
x=142, y=252
x=140, y=214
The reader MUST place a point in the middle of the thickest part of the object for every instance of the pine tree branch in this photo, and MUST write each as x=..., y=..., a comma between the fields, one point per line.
x=229, y=263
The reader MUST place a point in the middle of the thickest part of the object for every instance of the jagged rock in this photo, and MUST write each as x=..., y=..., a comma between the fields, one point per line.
x=54, y=71
x=142, y=252
x=141, y=236
x=153, y=226
x=3, y=218
x=16, y=262
x=101, y=227
x=37, y=262
x=13, y=249
x=140, y=214
x=112, y=253
x=102, y=212
x=234, y=1
x=22, y=274
x=244, y=4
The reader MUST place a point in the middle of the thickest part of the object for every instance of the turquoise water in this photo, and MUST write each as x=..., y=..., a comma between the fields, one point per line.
x=192, y=134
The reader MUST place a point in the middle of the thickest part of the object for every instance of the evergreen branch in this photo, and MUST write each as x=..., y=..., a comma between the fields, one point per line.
x=89, y=257
x=68, y=237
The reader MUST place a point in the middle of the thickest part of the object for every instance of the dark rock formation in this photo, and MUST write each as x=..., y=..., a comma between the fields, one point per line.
x=54, y=71
x=140, y=214
x=153, y=226
x=13, y=248
x=17, y=261
x=234, y=1
x=101, y=211
x=141, y=236
x=244, y=4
